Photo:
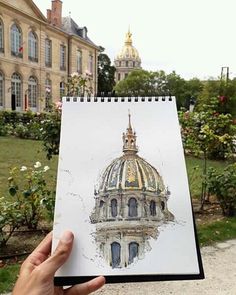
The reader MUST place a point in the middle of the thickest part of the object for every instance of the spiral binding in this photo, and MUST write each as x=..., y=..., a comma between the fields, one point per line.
x=118, y=99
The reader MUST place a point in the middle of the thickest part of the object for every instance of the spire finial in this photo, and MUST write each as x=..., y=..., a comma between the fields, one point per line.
x=129, y=139
x=128, y=39
x=129, y=119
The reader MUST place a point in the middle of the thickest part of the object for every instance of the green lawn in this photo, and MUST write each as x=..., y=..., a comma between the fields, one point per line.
x=8, y=275
x=21, y=152
x=195, y=168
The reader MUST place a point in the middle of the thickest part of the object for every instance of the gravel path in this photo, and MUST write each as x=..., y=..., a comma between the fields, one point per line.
x=219, y=263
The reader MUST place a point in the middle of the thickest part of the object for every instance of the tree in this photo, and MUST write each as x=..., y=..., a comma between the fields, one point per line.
x=106, y=74
x=138, y=82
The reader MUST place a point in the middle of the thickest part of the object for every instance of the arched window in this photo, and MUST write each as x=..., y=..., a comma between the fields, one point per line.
x=153, y=211
x=62, y=89
x=133, y=207
x=113, y=207
x=32, y=98
x=162, y=205
x=16, y=41
x=133, y=251
x=1, y=37
x=16, y=88
x=101, y=204
x=48, y=93
x=1, y=89
x=115, y=254
x=32, y=47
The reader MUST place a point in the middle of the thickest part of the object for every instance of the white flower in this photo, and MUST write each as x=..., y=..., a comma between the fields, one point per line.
x=23, y=168
x=37, y=165
x=46, y=168
x=75, y=74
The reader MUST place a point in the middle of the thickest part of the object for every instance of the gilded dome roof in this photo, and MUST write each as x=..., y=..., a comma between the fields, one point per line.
x=131, y=171
x=128, y=51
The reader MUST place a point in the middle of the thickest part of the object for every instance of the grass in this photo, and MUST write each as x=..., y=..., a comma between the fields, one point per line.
x=195, y=168
x=8, y=275
x=20, y=152
x=217, y=231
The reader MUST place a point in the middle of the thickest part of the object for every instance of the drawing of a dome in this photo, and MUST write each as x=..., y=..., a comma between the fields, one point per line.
x=130, y=205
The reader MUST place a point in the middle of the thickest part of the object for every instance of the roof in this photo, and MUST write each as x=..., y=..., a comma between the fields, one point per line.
x=71, y=27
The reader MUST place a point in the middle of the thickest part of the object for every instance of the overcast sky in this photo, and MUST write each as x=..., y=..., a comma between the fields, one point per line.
x=193, y=37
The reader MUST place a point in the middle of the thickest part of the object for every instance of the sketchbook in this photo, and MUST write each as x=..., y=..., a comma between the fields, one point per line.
x=122, y=189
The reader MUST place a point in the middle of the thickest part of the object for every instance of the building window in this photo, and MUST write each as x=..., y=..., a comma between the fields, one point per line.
x=48, y=53
x=16, y=86
x=90, y=65
x=153, y=211
x=1, y=37
x=126, y=75
x=16, y=41
x=115, y=254
x=127, y=64
x=1, y=89
x=48, y=94
x=62, y=89
x=134, y=64
x=62, y=57
x=32, y=98
x=118, y=76
x=33, y=47
x=133, y=251
x=79, y=61
x=113, y=207
x=133, y=207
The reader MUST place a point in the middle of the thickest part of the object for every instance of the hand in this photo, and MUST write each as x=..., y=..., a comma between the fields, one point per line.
x=37, y=272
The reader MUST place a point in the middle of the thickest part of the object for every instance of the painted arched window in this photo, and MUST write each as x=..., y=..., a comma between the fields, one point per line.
x=48, y=93
x=16, y=88
x=32, y=46
x=133, y=251
x=32, y=97
x=162, y=205
x=133, y=207
x=113, y=207
x=1, y=89
x=1, y=37
x=115, y=254
x=153, y=211
x=16, y=41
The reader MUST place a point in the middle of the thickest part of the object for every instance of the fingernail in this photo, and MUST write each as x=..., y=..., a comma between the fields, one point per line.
x=67, y=237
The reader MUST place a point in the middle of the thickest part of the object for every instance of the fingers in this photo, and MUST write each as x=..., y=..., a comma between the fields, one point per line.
x=39, y=255
x=86, y=288
x=60, y=255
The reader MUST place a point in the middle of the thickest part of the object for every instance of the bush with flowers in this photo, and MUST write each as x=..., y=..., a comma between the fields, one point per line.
x=28, y=187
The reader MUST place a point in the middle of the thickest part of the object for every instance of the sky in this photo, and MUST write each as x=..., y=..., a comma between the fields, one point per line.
x=195, y=38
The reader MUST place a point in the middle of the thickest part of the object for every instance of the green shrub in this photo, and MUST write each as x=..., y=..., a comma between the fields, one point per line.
x=223, y=185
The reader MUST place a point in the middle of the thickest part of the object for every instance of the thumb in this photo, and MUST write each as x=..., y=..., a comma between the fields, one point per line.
x=60, y=255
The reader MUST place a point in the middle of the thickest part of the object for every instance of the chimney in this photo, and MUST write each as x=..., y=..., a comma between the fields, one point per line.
x=49, y=16
x=56, y=13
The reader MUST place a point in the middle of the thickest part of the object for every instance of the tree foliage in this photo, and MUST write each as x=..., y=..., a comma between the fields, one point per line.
x=106, y=74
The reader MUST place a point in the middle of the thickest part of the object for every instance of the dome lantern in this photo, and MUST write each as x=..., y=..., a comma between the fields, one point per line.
x=129, y=140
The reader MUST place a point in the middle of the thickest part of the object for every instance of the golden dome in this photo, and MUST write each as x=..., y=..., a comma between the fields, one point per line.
x=128, y=51
x=131, y=172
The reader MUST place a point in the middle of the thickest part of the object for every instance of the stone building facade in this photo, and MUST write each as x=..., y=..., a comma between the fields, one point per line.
x=130, y=205
x=37, y=54
x=127, y=60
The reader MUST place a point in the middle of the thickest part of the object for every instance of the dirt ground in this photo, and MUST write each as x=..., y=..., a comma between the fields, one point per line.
x=219, y=263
